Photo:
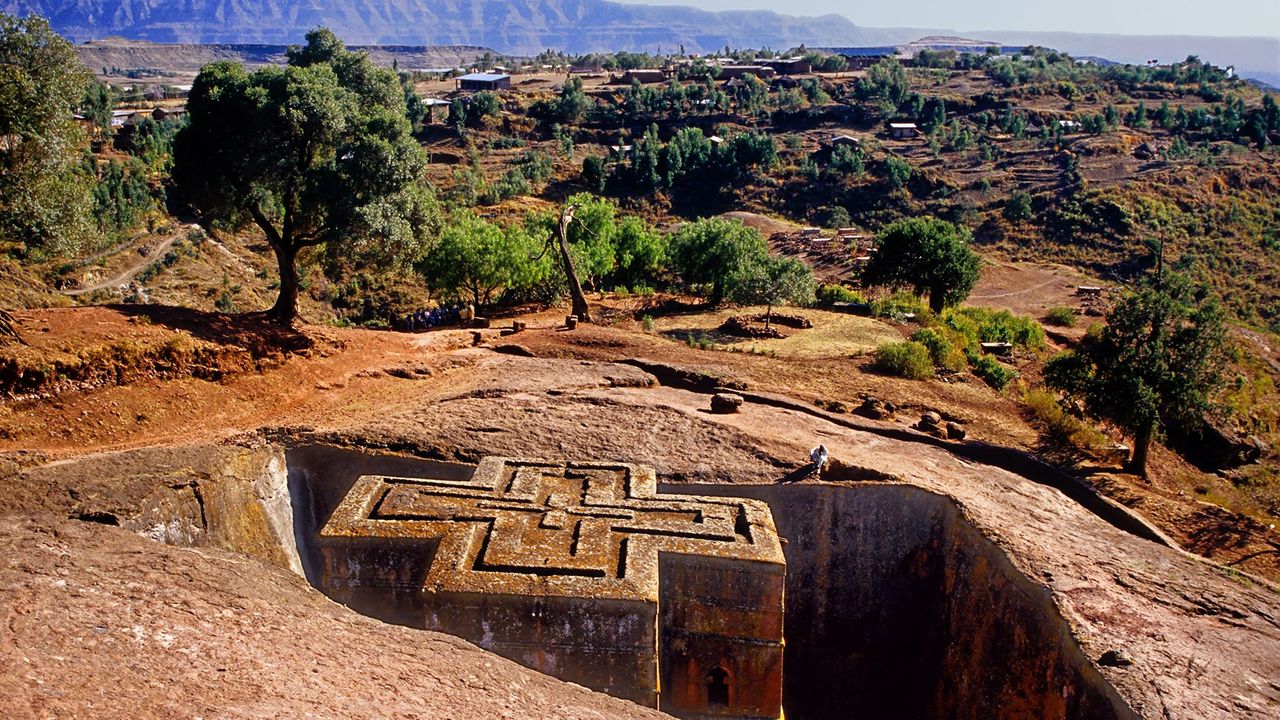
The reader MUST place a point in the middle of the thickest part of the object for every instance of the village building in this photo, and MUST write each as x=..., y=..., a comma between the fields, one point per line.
x=583, y=571
x=789, y=66
x=861, y=58
x=161, y=114
x=120, y=117
x=642, y=76
x=729, y=72
x=484, y=82
x=902, y=129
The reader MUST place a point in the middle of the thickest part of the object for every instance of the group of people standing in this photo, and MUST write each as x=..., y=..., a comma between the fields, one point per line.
x=437, y=317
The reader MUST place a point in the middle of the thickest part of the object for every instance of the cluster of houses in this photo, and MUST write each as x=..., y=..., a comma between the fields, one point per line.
x=129, y=118
x=726, y=69
x=839, y=252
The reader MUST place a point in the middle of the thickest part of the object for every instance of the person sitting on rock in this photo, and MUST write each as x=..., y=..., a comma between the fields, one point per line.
x=819, y=457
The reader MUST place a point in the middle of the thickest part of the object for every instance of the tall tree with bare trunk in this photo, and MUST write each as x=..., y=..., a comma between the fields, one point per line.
x=317, y=153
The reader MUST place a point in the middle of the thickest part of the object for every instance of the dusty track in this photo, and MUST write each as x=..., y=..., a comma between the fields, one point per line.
x=123, y=277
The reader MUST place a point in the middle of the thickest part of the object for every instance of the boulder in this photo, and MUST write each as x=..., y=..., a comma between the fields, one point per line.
x=725, y=403
x=876, y=409
x=955, y=431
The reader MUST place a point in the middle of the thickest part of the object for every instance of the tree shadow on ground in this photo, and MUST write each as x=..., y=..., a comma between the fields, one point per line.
x=257, y=333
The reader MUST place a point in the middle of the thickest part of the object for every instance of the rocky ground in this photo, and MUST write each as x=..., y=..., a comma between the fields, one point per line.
x=90, y=607
x=102, y=623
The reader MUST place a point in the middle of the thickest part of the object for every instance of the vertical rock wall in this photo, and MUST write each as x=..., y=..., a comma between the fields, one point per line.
x=898, y=608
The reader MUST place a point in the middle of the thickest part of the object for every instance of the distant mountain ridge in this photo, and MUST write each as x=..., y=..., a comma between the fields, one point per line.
x=526, y=27
x=522, y=27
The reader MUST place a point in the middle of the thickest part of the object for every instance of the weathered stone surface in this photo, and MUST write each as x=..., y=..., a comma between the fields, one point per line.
x=876, y=409
x=725, y=403
x=102, y=623
x=1115, y=658
x=575, y=570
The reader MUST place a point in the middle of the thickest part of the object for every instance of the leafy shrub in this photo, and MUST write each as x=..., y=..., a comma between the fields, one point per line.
x=992, y=372
x=904, y=359
x=898, y=172
x=982, y=325
x=828, y=294
x=536, y=166
x=506, y=142
x=942, y=353
x=1061, y=317
x=1018, y=208
x=899, y=305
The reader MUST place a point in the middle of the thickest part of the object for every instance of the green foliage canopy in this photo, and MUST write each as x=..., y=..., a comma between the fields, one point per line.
x=714, y=252
x=44, y=191
x=477, y=258
x=608, y=251
x=927, y=255
x=1156, y=364
x=318, y=152
x=773, y=281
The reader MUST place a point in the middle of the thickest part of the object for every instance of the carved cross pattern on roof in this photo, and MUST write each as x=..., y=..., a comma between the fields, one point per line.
x=532, y=527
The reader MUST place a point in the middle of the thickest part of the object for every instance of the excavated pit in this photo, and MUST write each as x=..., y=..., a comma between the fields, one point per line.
x=896, y=605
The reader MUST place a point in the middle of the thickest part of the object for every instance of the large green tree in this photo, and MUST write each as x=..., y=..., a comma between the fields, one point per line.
x=714, y=253
x=927, y=255
x=773, y=281
x=318, y=152
x=1156, y=364
x=607, y=250
x=44, y=190
x=474, y=257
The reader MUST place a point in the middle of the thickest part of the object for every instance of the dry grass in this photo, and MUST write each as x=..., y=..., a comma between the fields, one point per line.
x=833, y=335
x=1062, y=426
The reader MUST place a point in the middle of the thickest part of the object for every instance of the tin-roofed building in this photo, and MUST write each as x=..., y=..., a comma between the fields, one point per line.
x=479, y=82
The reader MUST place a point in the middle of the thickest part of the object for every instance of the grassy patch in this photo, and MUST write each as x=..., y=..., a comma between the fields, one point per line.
x=833, y=334
x=1063, y=426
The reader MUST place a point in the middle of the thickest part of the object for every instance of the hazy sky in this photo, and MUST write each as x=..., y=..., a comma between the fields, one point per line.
x=1130, y=17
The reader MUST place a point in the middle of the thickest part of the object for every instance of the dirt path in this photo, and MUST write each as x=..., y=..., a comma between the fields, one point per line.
x=131, y=270
x=1012, y=293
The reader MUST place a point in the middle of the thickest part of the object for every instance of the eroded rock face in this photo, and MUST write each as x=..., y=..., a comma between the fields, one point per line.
x=1203, y=642
x=579, y=570
x=898, y=607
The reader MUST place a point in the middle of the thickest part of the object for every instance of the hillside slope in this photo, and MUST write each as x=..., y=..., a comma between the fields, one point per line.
x=522, y=26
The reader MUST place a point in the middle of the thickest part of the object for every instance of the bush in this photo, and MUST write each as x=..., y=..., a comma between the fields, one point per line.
x=1061, y=317
x=898, y=172
x=944, y=355
x=1018, y=208
x=905, y=359
x=1062, y=425
x=981, y=325
x=899, y=305
x=828, y=294
x=992, y=372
